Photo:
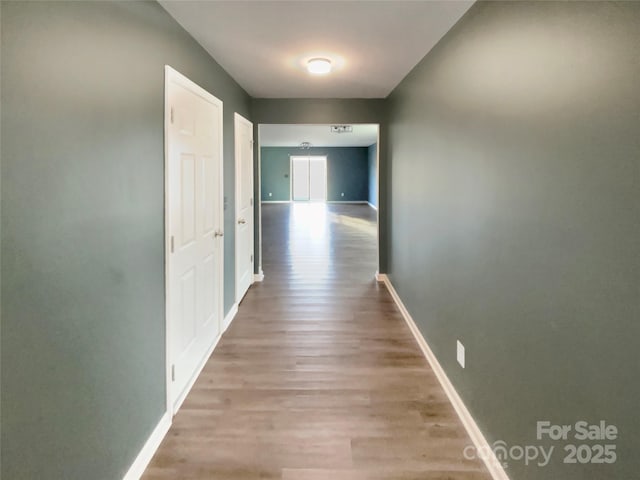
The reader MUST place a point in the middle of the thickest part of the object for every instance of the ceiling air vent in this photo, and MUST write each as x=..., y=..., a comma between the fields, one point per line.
x=341, y=129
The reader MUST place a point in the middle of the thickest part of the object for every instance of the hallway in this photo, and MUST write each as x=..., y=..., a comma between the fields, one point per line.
x=318, y=376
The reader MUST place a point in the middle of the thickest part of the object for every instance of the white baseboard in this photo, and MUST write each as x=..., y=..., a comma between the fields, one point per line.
x=195, y=376
x=380, y=277
x=149, y=449
x=276, y=201
x=372, y=206
x=493, y=464
x=146, y=454
x=355, y=202
x=229, y=317
x=153, y=442
x=258, y=277
x=225, y=324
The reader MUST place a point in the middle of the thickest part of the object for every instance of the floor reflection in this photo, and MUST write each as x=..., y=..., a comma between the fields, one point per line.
x=321, y=242
x=309, y=241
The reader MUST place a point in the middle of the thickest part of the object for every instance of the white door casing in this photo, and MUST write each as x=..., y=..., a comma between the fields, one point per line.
x=244, y=205
x=194, y=223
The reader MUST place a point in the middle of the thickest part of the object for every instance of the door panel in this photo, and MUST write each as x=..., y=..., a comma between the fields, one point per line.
x=300, y=178
x=209, y=282
x=188, y=200
x=187, y=301
x=244, y=205
x=210, y=191
x=317, y=179
x=194, y=214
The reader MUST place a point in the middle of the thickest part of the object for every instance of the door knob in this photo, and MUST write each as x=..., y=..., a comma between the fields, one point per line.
x=219, y=233
x=242, y=221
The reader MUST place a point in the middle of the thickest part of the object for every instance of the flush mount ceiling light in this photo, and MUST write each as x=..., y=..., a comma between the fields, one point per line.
x=319, y=66
x=305, y=145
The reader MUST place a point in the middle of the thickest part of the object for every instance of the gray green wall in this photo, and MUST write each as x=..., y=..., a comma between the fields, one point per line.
x=510, y=179
x=275, y=171
x=347, y=172
x=514, y=220
x=372, y=168
x=323, y=111
x=83, y=344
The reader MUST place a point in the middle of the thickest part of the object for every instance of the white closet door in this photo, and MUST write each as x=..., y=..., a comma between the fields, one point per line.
x=244, y=205
x=194, y=209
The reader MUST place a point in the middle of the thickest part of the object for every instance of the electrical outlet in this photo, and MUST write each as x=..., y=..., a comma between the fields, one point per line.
x=460, y=354
x=270, y=194
x=342, y=194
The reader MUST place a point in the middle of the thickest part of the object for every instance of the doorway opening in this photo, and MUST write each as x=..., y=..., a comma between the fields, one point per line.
x=327, y=174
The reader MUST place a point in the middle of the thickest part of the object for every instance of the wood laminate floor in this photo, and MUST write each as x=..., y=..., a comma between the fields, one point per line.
x=318, y=377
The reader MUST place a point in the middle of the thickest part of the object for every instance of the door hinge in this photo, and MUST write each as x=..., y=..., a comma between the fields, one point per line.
x=173, y=373
x=171, y=243
x=251, y=142
x=252, y=258
x=171, y=114
x=251, y=202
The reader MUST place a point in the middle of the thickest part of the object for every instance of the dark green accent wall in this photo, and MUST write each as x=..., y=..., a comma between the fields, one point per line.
x=514, y=173
x=83, y=338
x=323, y=111
x=372, y=168
x=347, y=172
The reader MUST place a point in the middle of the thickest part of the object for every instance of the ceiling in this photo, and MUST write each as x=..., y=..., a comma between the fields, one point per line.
x=264, y=45
x=318, y=135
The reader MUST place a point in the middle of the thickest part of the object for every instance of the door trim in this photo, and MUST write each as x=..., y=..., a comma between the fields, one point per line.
x=237, y=120
x=172, y=75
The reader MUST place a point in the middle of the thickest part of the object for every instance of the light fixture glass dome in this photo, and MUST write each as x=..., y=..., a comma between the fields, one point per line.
x=319, y=66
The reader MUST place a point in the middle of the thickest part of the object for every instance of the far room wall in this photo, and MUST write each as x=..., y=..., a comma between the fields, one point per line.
x=347, y=172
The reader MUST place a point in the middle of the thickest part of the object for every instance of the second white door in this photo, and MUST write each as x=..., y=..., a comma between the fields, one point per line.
x=244, y=205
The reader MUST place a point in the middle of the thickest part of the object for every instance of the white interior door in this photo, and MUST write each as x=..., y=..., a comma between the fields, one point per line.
x=194, y=229
x=244, y=205
x=300, y=179
x=318, y=179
